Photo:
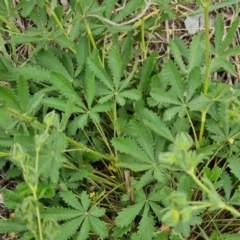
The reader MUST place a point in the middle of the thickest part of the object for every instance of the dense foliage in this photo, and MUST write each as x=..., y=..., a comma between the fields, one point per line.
x=105, y=138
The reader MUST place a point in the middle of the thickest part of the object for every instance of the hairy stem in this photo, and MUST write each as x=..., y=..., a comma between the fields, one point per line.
x=205, y=5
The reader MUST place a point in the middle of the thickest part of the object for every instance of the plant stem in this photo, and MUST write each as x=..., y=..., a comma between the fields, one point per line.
x=89, y=32
x=26, y=118
x=207, y=62
x=143, y=44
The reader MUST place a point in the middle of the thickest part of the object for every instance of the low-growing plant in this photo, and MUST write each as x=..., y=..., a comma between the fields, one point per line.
x=105, y=139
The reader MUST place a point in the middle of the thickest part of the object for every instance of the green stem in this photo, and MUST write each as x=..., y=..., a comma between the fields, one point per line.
x=73, y=142
x=198, y=182
x=51, y=11
x=89, y=32
x=207, y=62
x=143, y=43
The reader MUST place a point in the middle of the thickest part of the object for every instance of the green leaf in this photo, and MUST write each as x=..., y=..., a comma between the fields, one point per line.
x=145, y=179
x=96, y=212
x=35, y=102
x=23, y=93
x=9, y=226
x=89, y=88
x=136, y=166
x=230, y=36
x=133, y=94
x=185, y=186
x=143, y=137
x=127, y=215
x=104, y=107
x=161, y=96
x=33, y=72
x=98, y=226
x=157, y=125
x=99, y=71
x=69, y=198
x=67, y=230
x=85, y=200
x=129, y=146
x=61, y=39
x=195, y=47
x=146, y=225
x=84, y=230
x=6, y=141
x=219, y=31
x=65, y=87
x=170, y=113
x=231, y=52
x=26, y=7
x=8, y=96
x=129, y=8
x=47, y=60
x=172, y=75
x=60, y=213
x=220, y=62
x=227, y=184
x=233, y=164
x=177, y=55
x=82, y=53
x=60, y=104
x=194, y=81
x=182, y=47
x=115, y=65
x=146, y=70
x=199, y=103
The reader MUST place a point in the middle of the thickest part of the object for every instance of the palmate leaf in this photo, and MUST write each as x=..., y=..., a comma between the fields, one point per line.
x=33, y=72
x=98, y=226
x=182, y=47
x=171, y=112
x=68, y=229
x=60, y=104
x=129, y=8
x=59, y=213
x=47, y=60
x=227, y=184
x=115, y=65
x=194, y=82
x=82, y=53
x=8, y=96
x=133, y=94
x=233, y=164
x=127, y=215
x=177, y=55
x=85, y=201
x=143, y=137
x=84, y=230
x=65, y=87
x=146, y=178
x=23, y=93
x=69, y=198
x=100, y=72
x=161, y=96
x=157, y=125
x=9, y=226
x=129, y=146
x=231, y=52
x=146, y=70
x=230, y=36
x=171, y=74
x=195, y=47
x=89, y=88
x=104, y=107
x=219, y=31
x=146, y=225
